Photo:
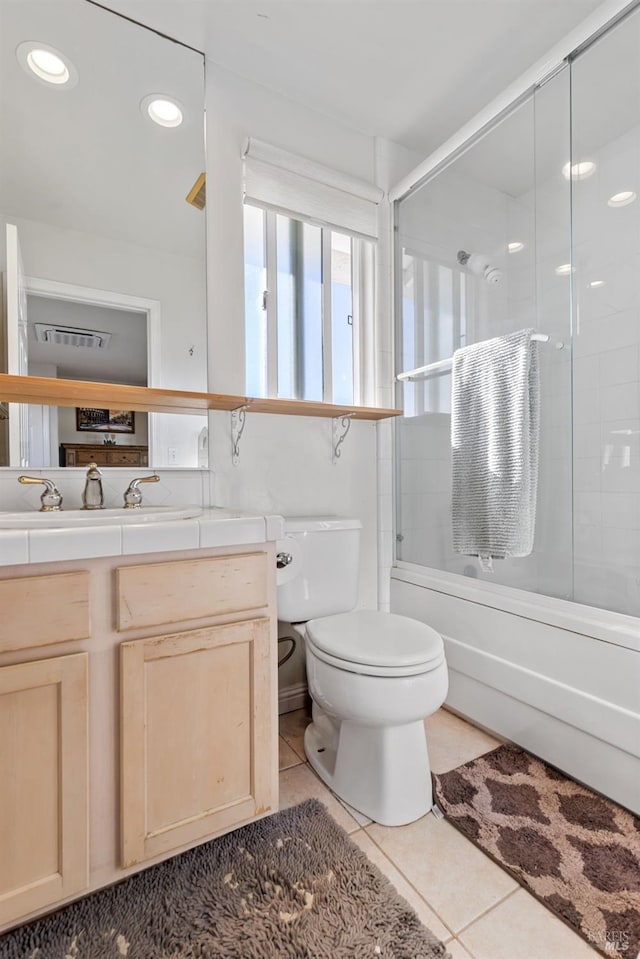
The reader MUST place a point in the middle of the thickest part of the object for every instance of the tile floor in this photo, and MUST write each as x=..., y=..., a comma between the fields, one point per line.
x=459, y=893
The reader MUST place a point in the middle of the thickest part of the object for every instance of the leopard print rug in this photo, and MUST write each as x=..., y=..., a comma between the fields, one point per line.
x=576, y=851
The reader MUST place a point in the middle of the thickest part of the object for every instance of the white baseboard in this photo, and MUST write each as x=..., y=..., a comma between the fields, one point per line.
x=292, y=697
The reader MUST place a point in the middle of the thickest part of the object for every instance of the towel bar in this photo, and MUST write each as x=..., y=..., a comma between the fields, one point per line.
x=441, y=365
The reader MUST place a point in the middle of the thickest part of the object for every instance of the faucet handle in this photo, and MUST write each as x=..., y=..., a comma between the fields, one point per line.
x=133, y=494
x=51, y=498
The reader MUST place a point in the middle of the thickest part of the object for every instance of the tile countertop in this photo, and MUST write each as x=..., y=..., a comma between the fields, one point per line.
x=213, y=527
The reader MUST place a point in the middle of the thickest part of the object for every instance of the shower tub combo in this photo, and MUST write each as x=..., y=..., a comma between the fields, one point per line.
x=543, y=648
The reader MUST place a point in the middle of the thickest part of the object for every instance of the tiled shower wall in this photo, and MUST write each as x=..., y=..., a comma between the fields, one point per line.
x=607, y=383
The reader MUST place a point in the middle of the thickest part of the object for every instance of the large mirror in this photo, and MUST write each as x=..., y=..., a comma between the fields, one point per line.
x=102, y=230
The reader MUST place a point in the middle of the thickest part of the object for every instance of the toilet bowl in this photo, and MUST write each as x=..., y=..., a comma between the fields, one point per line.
x=373, y=677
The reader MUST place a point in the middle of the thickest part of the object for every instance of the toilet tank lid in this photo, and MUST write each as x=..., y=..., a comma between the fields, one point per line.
x=318, y=524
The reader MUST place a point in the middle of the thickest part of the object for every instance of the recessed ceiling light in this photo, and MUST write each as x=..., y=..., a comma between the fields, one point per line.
x=621, y=199
x=515, y=247
x=596, y=283
x=578, y=171
x=46, y=64
x=563, y=270
x=163, y=110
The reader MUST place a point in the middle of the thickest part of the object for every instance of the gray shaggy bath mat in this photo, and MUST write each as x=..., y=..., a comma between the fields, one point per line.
x=577, y=852
x=292, y=886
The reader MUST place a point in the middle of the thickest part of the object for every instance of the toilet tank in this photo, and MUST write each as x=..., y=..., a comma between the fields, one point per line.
x=322, y=577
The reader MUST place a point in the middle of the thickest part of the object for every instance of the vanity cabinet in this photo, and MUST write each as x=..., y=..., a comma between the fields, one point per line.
x=138, y=715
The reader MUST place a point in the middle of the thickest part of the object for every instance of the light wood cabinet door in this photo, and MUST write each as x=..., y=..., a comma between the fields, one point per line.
x=44, y=783
x=196, y=735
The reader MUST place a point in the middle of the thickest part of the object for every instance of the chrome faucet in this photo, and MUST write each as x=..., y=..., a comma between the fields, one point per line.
x=51, y=498
x=133, y=494
x=92, y=495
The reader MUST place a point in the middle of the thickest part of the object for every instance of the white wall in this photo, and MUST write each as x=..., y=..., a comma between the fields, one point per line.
x=290, y=466
x=286, y=468
x=285, y=463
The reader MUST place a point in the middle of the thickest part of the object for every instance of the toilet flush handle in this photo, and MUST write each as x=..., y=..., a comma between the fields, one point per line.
x=283, y=559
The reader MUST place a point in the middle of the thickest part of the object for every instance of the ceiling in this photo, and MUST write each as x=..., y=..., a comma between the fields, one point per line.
x=410, y=70
x=594, y=109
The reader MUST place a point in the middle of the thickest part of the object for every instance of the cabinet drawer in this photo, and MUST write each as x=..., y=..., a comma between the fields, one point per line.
x=164, y=593
x=124, y=457
x=84, y=457
x=39, y=610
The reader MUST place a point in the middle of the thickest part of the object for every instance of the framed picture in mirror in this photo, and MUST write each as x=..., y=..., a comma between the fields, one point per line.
x=104, y=421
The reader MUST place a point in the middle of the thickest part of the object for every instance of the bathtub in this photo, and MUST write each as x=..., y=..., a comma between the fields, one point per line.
x=559, y=679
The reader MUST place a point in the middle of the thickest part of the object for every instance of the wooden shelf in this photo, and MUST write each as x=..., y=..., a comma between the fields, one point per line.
x=306, y=408
x=47, y=391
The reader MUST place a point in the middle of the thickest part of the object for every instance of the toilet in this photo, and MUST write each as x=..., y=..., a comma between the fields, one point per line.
x=373, y=677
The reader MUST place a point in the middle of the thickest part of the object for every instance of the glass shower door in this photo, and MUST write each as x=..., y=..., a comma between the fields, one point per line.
x=478, y=249
x=606, y=285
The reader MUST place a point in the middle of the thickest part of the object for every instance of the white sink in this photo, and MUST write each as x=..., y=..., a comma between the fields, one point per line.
x=96, y=517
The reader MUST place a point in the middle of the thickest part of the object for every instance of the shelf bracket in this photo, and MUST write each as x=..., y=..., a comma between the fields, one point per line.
x=238, y=423
x=340, y=427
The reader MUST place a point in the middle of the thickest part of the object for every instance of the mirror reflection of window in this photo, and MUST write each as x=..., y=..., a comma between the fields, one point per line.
x=100, y=187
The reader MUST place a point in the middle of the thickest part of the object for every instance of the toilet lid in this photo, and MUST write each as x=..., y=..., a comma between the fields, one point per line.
x=372, y=638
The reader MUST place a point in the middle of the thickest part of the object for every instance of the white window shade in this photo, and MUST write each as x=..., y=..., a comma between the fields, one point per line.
x=301, y=187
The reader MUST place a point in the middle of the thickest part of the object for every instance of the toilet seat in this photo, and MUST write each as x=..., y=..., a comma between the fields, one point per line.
x=375, y=643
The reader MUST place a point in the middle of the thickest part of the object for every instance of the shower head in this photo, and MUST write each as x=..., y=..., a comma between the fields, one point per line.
x=480, y=264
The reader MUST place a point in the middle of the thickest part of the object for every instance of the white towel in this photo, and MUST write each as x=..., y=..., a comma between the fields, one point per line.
x=494, y=444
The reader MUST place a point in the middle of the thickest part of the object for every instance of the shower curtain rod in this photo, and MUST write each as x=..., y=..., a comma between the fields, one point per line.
x=441, y=365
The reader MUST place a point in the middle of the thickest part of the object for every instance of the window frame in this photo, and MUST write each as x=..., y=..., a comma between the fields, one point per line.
x=363, y=279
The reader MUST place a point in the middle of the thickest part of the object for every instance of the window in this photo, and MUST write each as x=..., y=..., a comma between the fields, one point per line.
x=310, y=236
x=307, y=303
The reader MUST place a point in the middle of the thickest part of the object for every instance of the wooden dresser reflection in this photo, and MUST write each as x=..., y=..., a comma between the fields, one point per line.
x=81, y=454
